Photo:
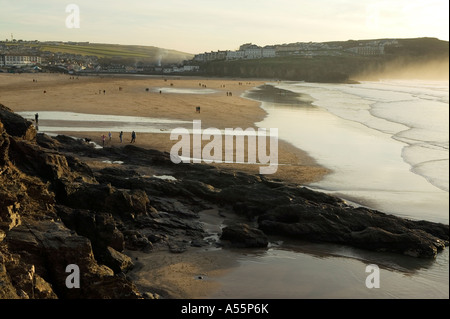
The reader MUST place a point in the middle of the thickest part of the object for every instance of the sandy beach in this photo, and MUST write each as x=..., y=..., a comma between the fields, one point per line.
x=128, y=95
x=170, y=275
x=286, y=269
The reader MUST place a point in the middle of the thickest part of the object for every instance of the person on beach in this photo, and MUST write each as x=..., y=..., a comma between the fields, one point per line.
x=103, y=140
x=120, y=136
x=36, y=118
x=133, y=137
x=110, y=136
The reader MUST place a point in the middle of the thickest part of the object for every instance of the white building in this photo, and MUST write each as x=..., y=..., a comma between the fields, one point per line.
x=253, y=53
x=368, y=50
x=200, y=57
x=246, y=51
x=235, y=55
x=19, y=60
x=190, y=68
x=268, y=52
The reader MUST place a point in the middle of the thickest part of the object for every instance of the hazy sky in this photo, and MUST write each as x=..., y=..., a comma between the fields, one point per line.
x=196, y=26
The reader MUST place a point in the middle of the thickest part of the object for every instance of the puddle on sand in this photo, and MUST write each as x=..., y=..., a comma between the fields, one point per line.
x=85, y=117
x=184, y=91
x=112, y=162
x=165, y=177
x=57, y=121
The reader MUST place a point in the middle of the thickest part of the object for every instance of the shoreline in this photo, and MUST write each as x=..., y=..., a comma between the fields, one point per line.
x=32, y=98
x=217, y=110
x=181, y=271
x=380, y=176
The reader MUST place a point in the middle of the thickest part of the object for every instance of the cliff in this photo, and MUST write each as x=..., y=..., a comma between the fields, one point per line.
x=420, y=58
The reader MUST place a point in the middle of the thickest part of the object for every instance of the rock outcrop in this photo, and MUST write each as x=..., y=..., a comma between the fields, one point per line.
x=358, y=227
x=35, y=245
x=57, y=210
x=15, y=125
x=243, y=236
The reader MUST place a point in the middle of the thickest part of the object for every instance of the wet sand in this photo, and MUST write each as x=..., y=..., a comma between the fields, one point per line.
x=171, y=275
x=128, y=95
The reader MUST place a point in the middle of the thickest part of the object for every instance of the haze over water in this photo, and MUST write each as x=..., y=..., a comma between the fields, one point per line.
x=387, y=142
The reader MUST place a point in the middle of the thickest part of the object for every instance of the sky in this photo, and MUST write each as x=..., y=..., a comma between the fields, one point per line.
x=196, y=26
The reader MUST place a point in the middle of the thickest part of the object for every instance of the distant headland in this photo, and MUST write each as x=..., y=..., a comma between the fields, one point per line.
x=337, y=61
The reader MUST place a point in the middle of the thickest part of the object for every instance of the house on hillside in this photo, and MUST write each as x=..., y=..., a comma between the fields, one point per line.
x=235, y=55
x=19, y=60
x=268, y=52
x=368, y=50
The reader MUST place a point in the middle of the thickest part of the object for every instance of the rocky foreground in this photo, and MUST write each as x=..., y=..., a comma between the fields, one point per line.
x=56, y=210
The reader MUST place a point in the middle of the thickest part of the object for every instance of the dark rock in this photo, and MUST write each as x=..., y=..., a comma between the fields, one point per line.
x=51, y=247
x=177, y=247
x=47, y=142
x=23, y=195
x=199, y=243
x=7, y=289
x=359, y=227
x=81, y=168
x=15, y=125
x=134, y=240
x=414, y=243
x=149, y=295
x=157, y=238
x=117, y=261
x=100, y=228
x=200, y=189
x=9, y=215
x=105, y=198
x=4, y=148
x=47, y=164
x=104, y=210
x=243, y=236
x=27, y=283
x=42, y=289
x=173, y=206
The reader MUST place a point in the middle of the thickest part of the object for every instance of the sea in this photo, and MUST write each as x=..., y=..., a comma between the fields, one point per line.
x=386, y=144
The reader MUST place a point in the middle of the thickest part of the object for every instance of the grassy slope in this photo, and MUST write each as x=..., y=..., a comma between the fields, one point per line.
x=138, y=53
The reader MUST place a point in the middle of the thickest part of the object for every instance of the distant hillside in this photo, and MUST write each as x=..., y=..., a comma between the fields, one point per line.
x=116, y=52
x=420, y=58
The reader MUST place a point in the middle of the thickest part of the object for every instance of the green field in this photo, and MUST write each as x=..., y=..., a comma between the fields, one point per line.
x=104, y=50
x=136, y=52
